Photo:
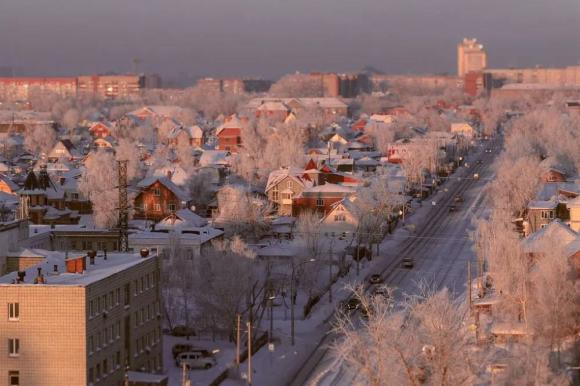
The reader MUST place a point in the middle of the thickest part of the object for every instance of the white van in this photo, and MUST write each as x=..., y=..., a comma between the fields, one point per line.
x=195, y=360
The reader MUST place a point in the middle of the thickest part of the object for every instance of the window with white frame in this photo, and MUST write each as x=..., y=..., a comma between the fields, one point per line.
x=157, y=192
x=157, y=207
x=339, y=217
x=13, y=311
x=13, y=347
x=319, y=202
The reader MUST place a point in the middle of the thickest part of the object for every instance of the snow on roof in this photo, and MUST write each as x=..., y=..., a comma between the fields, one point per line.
x=116, y=263
x=329, y=188
x=538, y=204
x=187, y=236
x=214, y=157
x=182, y=218
x=276, y=176
x=573, y=203
x=555, y=232
x=179, y=193
x=178, y=175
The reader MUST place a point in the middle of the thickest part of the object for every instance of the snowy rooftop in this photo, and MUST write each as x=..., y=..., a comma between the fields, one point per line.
x=115, y=263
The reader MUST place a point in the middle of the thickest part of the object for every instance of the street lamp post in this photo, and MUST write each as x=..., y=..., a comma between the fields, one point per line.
x=293, y=295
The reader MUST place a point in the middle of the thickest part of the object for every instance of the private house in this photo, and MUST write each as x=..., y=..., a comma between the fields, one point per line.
x=574, y=208
x=555, y=233
x=193, y=136
x=100, y=130
x=158, y=198
x=273, y=111
x=285, y=184
x=64, y=149
x=7, y=185
x=320, y=198
x=104, y=142
x=552, y=171
x=43, y=201
x=229, y=135
x=464, y=128
x=540, y=214
x=342, y=217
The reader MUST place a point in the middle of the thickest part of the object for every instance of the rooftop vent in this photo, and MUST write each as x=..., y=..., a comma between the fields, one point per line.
x=144, y=252
x=76, y=265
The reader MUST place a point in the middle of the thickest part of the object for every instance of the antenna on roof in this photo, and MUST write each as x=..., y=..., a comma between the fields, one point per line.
x=123, y=206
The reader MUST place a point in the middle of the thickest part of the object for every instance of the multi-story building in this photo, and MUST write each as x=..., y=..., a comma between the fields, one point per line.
x=21, y=88
x=234, y=86
x=81, y=320
x=471, y=57
x=111, y=86
x=104, y=86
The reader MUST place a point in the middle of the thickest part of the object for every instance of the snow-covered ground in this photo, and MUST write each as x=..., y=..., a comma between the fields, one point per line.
x=439, y=242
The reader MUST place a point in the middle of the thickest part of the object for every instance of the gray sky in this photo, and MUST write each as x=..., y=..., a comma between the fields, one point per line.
x=272, y=37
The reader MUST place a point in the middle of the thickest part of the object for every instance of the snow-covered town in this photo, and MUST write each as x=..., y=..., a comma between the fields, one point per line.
x=319, y=228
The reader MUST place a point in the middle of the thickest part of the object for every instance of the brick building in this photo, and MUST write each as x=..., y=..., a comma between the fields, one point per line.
x=81, y=321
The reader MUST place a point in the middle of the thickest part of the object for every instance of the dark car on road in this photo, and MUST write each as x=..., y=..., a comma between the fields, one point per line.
x=376, y=279
x=408, y=262
x=351, y=304
x=458, y=198
x=452, y=208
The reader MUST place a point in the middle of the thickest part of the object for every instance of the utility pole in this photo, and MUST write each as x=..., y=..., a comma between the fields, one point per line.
x=238, y=341
x=123, y=206
x=469, y=284
x=249, y=326
x=330, y=260
x=292, y=300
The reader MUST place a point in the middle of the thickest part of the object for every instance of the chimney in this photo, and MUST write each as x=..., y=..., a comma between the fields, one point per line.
x=39, y=278
x=169, y=174
x=91, y=255
x=76, y=265
x=21, y=275
x=62, y=180
x=144, y=252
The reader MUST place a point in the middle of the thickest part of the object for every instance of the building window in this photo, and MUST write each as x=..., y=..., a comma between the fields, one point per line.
x=118, y=296
x=105, y=367
x=157, y=192
x=289, y=184
x=91, y=375
x=319, y=202
x=13, y=311
x=14, y=378
x=98, y=371
x=91, y=344
x=548, y=214
x=275, y=194
x=339, y=218
x=127, y=293
x=172, y=207
x=13, y=347
x=156, y=207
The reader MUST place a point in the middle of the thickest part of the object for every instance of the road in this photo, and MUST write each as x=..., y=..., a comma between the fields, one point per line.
x=440, y=247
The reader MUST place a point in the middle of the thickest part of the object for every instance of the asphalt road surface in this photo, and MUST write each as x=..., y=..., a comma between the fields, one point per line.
x=440, y=247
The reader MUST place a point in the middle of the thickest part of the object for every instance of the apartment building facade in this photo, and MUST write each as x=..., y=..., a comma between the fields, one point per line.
x=81, y=321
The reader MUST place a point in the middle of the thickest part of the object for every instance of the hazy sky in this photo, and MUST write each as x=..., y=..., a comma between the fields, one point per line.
x=272, y=37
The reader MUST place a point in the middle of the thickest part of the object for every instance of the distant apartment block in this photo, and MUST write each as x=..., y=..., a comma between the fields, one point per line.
x=563, y=77
x=333, y=85
x=104, y=86
x=471, y=57
x=234, y=86
x=81, y=320
x=382, y=82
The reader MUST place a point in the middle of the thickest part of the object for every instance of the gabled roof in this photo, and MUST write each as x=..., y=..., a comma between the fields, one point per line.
x=183, y=218
x=556, y=232
x=11, y=184
x=179, y=193
x=277, y=176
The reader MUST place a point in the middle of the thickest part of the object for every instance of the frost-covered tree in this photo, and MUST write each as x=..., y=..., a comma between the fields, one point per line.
x=127, y=150
x=241, y=212
x=39, y=139
x=297, y=86
x=98, y=183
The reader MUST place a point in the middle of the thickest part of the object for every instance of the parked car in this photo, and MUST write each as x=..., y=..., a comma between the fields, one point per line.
x=195, y=360
x=182, y=331
x=488, y=150
x=376, y=279
x=381, y=291
x=458, y=198
x=408, y=262
x=476, y=176
x=351, y=304
x=452, y=208
x=185, y=347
